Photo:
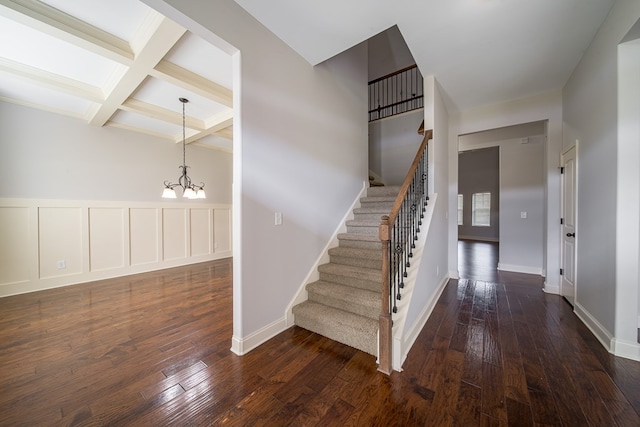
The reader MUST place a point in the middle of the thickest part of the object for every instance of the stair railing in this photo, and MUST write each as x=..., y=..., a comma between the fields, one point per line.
x=398, y=233
x=396, y=93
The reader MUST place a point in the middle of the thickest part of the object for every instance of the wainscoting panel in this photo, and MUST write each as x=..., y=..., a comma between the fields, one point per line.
x=14, y=249
x=222, y=230
x=201, y=232
x=60, y=241
x=106, y=238
x=174, y=226
x=143, y=235
x=52, y=243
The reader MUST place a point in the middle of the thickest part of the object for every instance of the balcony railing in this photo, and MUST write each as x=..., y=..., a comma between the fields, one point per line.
x=396, y=93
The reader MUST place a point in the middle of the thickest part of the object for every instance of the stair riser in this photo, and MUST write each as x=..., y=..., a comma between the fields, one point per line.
x=358, y=229
x=358, y=262
x=351, y=306
x=360, y=244
x=366, y=344
x=368, y=216
x=369, y=285
x=385, y=191
x=377, y=205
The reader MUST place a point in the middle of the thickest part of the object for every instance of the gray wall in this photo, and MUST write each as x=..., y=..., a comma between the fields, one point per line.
x=393, y=143
x=388, y=53
x=606, y=295
x=44, y=155
x=300, y=148
x=479, y=173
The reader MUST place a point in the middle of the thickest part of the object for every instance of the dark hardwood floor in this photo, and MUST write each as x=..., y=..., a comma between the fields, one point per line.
x=153, y=350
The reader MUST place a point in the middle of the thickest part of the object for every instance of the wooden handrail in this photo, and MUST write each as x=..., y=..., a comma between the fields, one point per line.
x=410, y=67
x=407, y=180
x=387, y=223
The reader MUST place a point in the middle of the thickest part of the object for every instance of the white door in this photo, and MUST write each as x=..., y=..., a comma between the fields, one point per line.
x=568, y=227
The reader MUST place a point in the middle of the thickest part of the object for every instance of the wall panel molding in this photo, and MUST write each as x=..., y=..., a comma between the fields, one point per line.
x=52, y=243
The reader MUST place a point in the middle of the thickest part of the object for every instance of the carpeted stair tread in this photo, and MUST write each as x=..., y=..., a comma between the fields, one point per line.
x=364, y=241
x=388, y=190
x=357, y=257
x=347, y=298
x=356, y=236
x=358, y=277
x=351, y=271
x=348, y=328
x=372, y=210
x=356, y=253
x=378, y=199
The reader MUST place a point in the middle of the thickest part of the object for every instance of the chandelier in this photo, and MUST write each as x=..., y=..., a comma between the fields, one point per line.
x=189, y=190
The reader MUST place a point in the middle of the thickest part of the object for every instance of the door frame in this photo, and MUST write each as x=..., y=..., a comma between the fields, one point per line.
x=573, y=298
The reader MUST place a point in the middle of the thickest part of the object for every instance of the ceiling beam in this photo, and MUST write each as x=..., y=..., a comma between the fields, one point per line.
x=166, y=34
x=193, y=82
x=155, y=112
x=225, y=133
x=216, y=124
x=60, y=25
x=52, y=81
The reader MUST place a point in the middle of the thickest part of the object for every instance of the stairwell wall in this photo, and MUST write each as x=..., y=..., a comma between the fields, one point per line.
x=300, y=148
x=433, y=274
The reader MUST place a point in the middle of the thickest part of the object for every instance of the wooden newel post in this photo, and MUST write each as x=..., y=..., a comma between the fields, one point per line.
x=385, y=322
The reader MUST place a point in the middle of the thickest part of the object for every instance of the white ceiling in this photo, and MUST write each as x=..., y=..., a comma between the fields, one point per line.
x=481, y=51
x=119, y=63
x=115, y=63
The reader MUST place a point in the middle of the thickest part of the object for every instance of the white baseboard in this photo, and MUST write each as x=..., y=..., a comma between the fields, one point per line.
x=626, y=349
x=416, y=328
x=601, y=333
x=520, y=269
x=454, y=274
x=551, y=289
x=242, y=346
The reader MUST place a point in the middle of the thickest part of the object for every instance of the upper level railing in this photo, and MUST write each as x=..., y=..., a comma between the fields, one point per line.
x=398, y=233
x=396, y=93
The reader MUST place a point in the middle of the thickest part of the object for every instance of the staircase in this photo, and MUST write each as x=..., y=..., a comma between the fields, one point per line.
x=344, y=304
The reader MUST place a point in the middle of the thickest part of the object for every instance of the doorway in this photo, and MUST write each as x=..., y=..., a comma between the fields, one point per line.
x=568, y=217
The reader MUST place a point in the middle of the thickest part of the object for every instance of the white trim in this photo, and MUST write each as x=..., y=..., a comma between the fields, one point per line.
x=454, y=274
x=628, y=350
x=615, y=346
x=313, y=274
x=600, y=332
x=401, y=350
x=36, y=280
x=242, y=346
x=520, y=269
x=551, y=289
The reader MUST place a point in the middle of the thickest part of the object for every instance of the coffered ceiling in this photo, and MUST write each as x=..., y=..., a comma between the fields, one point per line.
x=115, y=63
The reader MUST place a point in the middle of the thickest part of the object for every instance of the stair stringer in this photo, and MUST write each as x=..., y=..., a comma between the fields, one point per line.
x=314, y=275
x=403, y=339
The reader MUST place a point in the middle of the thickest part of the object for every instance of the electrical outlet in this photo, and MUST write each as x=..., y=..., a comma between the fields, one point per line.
x=62, y=264
x=278, y=218
x=215, y=245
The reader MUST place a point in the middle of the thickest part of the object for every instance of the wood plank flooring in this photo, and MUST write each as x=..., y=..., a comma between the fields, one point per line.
x=153, y=350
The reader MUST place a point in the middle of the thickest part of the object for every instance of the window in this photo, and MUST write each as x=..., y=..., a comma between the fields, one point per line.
x=460, y=205
x=481, y=209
